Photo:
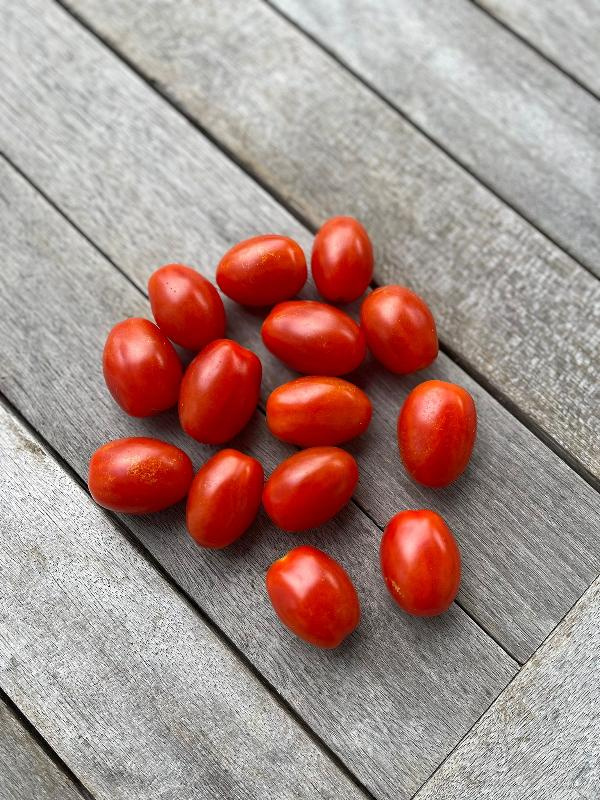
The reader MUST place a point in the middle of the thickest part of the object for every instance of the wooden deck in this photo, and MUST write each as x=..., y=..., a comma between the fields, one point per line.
x=466, y=135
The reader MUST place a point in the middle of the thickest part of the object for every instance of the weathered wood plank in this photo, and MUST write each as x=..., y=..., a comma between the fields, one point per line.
x=510, y=304
x=373, y=700
x=568, y=33
x=540, y=739
x=26, y=771
x=524, y=564
x=519, y=124
x=119, y=674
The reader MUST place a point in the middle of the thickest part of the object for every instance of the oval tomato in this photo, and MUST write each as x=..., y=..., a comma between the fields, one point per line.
x=437, y=426
x=186, y=307
x=342, y=260
x=141, y=368
x=262, y=271
x=310, y=487
x=318, y=411
x=313, y=596
x=224, y=498
x=219, y=392
x=420, y=562
x=139, y=475
x=314, y=338
x=400, y=329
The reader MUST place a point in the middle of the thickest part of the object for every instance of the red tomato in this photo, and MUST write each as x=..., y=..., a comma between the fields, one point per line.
x=313, y=596
x=436, y=432
x=342, y=260
x=186, y=307
x=141, y=368
x=420, y=562
x=139, y=475
x=314, y=338
x=224, y=498
x=262, y=271
x=219, y=392
x=318, y=411
x=400, y=329
x=310, y=487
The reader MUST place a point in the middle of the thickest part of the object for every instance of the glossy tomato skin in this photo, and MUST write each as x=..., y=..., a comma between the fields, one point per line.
x=262, y=271
x=139, y=475
x=187, y=308
x=437, y=426
x=313, y=596
x=224, y=498
x=314, y=338
x=310, y=487
x=318, y=410
x=399, y=328
x=219, y=392
x=420, y=562
x=141, y=368
x=342, y=260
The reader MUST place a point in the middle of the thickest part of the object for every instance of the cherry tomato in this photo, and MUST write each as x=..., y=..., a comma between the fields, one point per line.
x=310, y=487
x=224, y=498
x=313, y=596
x=342, y=260
x=420, y=562
x=436, y=432
x=400, y=329
x=314, y=338
x=318, y=411
x=186, y=307
x=219, y=392
x=141, y=368
x=262, y=271
x=139, y=475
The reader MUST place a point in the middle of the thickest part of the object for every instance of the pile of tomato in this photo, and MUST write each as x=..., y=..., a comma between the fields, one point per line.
x=219, y=391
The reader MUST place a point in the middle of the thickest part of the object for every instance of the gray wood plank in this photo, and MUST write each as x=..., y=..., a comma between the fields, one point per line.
x=524, y=563
x=117, y=671
x=541, y=739
x=511, y=305
x=519, y=124
x=568, y=33
x=26, y=771
x=398, y=696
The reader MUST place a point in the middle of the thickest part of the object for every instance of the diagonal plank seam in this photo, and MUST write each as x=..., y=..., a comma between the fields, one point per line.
x=260, y=406
x=42, y=743
x=535, y=49
x=191, y=602
x=491, y=389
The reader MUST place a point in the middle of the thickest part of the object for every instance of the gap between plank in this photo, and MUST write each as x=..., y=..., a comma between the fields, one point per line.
x=141, y=550
x=43, y=744
x=535, y=49
x=260, y=407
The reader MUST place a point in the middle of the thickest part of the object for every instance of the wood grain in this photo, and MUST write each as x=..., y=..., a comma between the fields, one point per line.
x=398, y=696
x=511, y=305
x=148, y=189
x=513, y=119
x=540, y=738
x=26, y=771
x=119, y=674
x=568, y=33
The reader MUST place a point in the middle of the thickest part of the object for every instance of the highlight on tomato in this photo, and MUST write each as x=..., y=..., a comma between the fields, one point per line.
x=342, y=260
x=313, y=596
x=420, y=562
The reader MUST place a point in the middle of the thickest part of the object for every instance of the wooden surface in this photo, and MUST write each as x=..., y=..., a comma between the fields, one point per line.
x=567, y=33
x=512, y=306
x=128, y=680
x=540, y=738
x=505, y=523
x=117, y=671
x=26, y=771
